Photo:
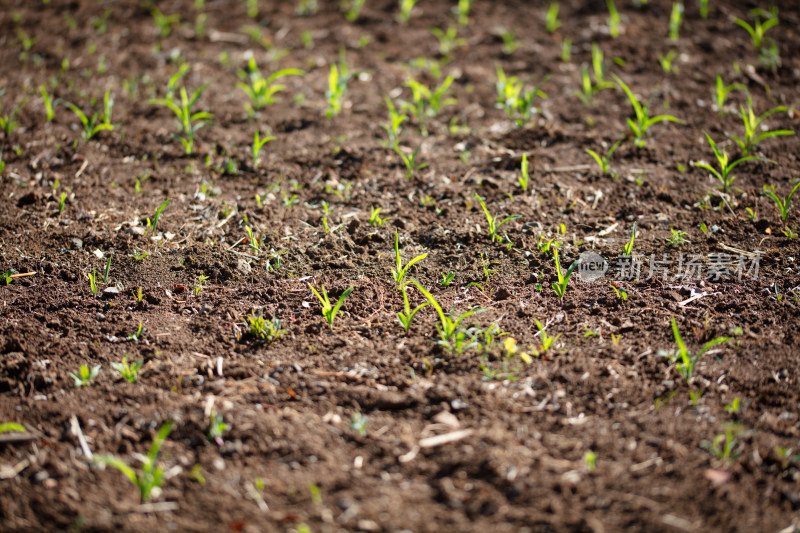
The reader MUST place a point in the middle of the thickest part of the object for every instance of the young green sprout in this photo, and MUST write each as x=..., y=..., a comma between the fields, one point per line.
x=93, y=285
x=260, y=90
x=151, y=225
x=410, y=161
x=447, y=278
x=677, y=238
x=85, y=375
x=560, y=288
x=188, y=122
x=724, y=173
x=393, y=127
x=426, y=101
x=754, y=133
x=399, y=275
x=8, y=122
x=49, y=103
x=130, y=372
x=329, y=311
x=666, y=62
x=783, y=205
x=642, y=121
x=338, y=77
x=406, y=6
x=621, y=293
x=164, y=22
x=448, y=323
x=151, y=477
x=406, y=317
x=759, y=29
x=448, y=40
x=515, y=98
x=264, y=330
x=494, y=226
x=547, y=341
x=551, y=22
x=99, y=121
x=613, y=19
x=627, y=250
x=685, y=361
x=721, y=92
x=524, y=176
x=462, y=11
x=374, y=219
x=258, y=144
x=352, y=9
x=675, y=20
x=603, y=160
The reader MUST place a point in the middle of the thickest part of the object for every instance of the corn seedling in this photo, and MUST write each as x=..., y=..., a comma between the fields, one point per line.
x=8, y=277
x=724, y=173
x=721, y=92
x=643, y=121
x=447, y=278
x=448, y=40
x=448, y=323
x=627, y=250
x=603, y=160
x=199, y=284
x=399, y=275
x=260, y=90
x=783, y=205
x=515, y=99
x=410, y=161
x=547, y=341
x=675, y=20
x=99, y=121
x=666, y=62
x=551, y=22
x=590, y=458
x=49, y=103
x=329, y=311
x=685, y=361
x=589, y=89
x=508, y=368
x=406, y=317
x=566, y=50
x=759, y=28
x=151, y=224
x=130, y=372
x=393, y=127
x=724, y=445
x=704, y=9
x=621, y=293
x=150, y=479
x=138, y=295
x=188, y=122
x=136, y=335
x=258, y=144
x=494, y=226
x=85, y=375
x=8, y=122
x=754, y=133
x=560, y=288
x=352, y=9
x=613, y=19
x=677, y=238
x=427, y=102
x=406, y=6
x=510, y=41
x=338, y=78
x=262, y=329
x=374, y=219
x=462, y=11
x=93, y=285
x=524, y=175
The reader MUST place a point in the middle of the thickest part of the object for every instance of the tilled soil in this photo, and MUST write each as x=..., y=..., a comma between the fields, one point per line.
x=363, y=426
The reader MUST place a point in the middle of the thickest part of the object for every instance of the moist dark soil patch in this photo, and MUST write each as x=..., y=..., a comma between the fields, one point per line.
x=362, y=426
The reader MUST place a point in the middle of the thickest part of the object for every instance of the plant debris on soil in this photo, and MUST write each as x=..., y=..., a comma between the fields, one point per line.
x=165, y=364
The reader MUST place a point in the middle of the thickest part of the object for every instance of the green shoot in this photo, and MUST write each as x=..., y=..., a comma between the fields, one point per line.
x=406, y=318
x=494, y=226
x=128, y=371
x=261, y=91
x=374, y=219
x=188, y=122
x=264, y=330
x=515, y=99
x=724, y=444
x=151, y=477
x=428, y=102
x=449, y=324
x=49, y=103
x=621, y=293
x=329, y=311
x=151, y=225
x=447, y=278
x=199, y=284
x=399, y=275
x=510, y=41
x=643, y=121
x=164, y=22
x=107, y=271
x=85, y=375
x=524, y=175
x=406, y=6
x=677, y=238
x=138, y=294
x=754, y=133
x=589, y=89
x=627, y=250
x=603, y=160
x=8, y=276
x=724, y=173
x=666, y=62
x=393, y=127
x=61, y=202
x=258, y=144
x=8, y=122
x=566, y=50
x=410, y=161
x=551, y=22
x=759, y=29
x=685, y=362
x=353, y=9
x=462, y=11
x=613, y=19
x=721, y=92
x=338, y=78
x=252, y=239
x=704, y=9
x=547, y=341
x=448, y=40
x=99, y=121
x=5, y=427
x=560, y=288
x=783, y=205
x=675, y=20
x=93, y=286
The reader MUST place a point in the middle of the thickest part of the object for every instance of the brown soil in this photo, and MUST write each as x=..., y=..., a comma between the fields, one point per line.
x=352, y=410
